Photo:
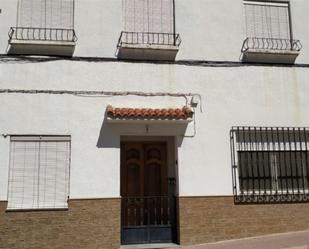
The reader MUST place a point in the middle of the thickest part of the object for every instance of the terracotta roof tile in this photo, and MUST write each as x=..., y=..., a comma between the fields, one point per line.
x=149, y=113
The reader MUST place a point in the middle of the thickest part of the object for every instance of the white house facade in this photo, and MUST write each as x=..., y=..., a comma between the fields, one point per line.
x=152, y=121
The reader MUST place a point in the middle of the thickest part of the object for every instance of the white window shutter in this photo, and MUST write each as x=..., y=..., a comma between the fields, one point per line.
x=148, y=16
x=39, y=173
x=46, y=14
x=53, y=174
x=267, y=20
x=31, y=13
x=67, y=14
x=23, y=175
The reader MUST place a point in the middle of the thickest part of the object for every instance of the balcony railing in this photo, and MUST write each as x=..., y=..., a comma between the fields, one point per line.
x=42, y=34
x=270, y=164
x=148, y=38
x=271, y=44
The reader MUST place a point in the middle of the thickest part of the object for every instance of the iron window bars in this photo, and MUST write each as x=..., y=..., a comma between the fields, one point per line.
x=150, y=38
x=42, y=34
x=270, y=164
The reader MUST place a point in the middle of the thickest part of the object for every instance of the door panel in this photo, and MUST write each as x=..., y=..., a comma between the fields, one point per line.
x=132, y=170
x=133, y=177
x=153, y=179
x=155, y=169
x=132, y=182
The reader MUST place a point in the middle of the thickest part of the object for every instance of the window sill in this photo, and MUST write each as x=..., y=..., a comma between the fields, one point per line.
x=41, y=47
x=270, y=56
x=35, y=210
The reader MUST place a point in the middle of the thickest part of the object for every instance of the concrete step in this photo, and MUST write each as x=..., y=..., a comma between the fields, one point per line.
x=150, y=246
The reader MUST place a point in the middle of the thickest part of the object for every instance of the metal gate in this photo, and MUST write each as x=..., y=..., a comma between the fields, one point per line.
x=150, y=219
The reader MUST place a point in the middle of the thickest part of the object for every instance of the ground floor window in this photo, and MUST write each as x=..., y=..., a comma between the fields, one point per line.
x=39, y=172
x=270, y=164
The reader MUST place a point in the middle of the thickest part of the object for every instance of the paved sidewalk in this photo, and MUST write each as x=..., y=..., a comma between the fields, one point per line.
x=294, y=240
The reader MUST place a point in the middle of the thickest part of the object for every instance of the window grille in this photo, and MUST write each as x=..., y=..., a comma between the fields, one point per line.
x=39, y=172
x=270, y=164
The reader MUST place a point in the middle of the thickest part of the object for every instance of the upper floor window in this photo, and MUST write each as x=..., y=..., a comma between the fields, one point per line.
x=39, y=172
x=44, y=27
x=269, y=32
x=149, y=26
x=270, y=164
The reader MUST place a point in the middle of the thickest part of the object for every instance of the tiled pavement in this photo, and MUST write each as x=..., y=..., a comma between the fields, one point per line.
x=294, y=240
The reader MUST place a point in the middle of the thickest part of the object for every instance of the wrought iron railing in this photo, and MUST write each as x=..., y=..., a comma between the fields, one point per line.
x=150, y=38
x=270, y=164
x=42, y=34
x=147, y=211
x=271, y=44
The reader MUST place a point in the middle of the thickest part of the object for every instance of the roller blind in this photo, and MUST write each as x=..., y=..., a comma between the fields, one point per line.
x=148, y=16
x=267, y=19
x=46, y=14
x=39, y=172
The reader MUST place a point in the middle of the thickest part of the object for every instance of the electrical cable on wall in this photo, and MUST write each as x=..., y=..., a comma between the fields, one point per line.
x=84, y=93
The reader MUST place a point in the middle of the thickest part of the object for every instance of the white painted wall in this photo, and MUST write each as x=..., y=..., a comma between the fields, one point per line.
x=210, y=29
x=246, y=95
x=233, y=95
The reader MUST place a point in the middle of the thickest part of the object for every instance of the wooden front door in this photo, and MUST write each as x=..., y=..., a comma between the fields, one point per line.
x=143, y=169
x=147, y=212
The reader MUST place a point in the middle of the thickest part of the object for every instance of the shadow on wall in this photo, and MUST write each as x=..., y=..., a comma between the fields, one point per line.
x=110, y=133
x=107, y=137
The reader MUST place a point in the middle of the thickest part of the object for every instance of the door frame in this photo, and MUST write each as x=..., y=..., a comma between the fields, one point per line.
x=172, y=188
